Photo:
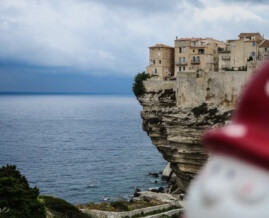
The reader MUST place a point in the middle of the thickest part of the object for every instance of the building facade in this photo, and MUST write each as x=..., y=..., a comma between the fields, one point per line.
x=241, y=51
x=263, y=50
x=161, y=61
x=225, y=57
x=196, y=54
x=207, y=54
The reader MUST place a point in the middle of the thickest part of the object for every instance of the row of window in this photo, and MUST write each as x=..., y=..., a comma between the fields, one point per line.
x=200, y=51
x=156, y=71
x=183, y=60
x=253, y=53
x=182, y=50
x=181, y=68
x=183, y=43
x=184, y=68
x=153, y=62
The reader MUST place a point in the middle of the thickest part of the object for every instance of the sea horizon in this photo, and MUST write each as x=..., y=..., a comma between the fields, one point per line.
x=67, y=93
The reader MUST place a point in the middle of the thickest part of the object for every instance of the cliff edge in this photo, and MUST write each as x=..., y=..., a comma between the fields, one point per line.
x=175, y=114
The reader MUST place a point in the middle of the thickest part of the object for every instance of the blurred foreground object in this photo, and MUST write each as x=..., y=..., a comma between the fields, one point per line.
x=234, y=182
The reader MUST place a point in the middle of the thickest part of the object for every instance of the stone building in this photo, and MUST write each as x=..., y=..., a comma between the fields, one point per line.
x=161, y=61
x=225, y=57
x=241, y=51
x=263, y=50
x=207, y=54
x=197, y=54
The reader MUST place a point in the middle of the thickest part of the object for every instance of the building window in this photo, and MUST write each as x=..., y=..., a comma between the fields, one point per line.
x=193, y=51
x=166, y=69
x=160, y=62
x=253, y=43
x=184, y=50
x=184, y=43
x=159, y=54
x=181, y=68
x=184, y=59
x=179, y=43
x=152, y=62
x=201, y=51
x=156, y=71
x=180, y=50
x=253, y=53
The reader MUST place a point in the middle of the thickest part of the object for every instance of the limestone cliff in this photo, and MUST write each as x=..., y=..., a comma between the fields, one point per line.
x=175, y=113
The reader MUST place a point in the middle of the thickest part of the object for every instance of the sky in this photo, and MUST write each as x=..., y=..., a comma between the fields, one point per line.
x=98, y=46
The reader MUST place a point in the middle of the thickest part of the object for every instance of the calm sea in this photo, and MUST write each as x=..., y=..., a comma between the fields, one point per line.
x=81, y=148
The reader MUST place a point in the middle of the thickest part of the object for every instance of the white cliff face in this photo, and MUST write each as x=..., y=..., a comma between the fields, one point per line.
x=175, y=114
x=176, y=132
x=228, y=187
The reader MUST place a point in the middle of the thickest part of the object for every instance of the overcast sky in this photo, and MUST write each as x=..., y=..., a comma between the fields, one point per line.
x=51, y=39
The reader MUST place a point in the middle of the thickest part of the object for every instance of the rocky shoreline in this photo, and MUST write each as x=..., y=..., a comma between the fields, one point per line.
x=146, y=204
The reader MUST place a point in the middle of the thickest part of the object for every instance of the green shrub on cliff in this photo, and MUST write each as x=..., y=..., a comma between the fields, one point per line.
x=138, y=87
x=62, y=209
x=17, y=199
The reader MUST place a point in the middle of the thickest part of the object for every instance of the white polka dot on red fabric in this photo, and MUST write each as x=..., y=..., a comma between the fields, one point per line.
x=267, y=88
x=235, y=130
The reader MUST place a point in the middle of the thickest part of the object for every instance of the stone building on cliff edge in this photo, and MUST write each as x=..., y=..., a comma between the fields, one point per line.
x=207, y=54
x=161, y=61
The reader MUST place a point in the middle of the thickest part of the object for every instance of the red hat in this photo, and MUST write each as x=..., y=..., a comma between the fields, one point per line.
x=247, y=136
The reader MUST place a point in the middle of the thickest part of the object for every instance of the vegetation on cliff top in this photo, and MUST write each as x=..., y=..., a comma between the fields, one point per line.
x=138, y=86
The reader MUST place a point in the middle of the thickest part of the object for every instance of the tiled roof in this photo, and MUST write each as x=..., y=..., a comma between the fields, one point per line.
x=248, y=34
x=189, y=39
x=161, y=46
x=264, y=44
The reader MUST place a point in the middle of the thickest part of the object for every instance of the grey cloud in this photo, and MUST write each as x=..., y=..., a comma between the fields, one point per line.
x=109, y=35
x=150, y=6
x=247, y=1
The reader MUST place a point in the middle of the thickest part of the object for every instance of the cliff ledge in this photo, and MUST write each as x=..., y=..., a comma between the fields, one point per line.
x=175, y=114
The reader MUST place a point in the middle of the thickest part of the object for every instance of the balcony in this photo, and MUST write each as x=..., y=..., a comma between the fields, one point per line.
x=182, y=63
x=196, y=61
x=226, y=58
x=225, y=50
